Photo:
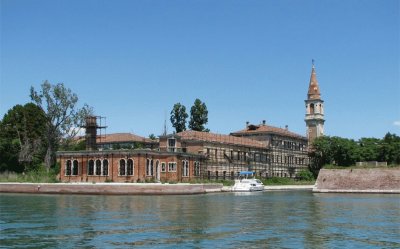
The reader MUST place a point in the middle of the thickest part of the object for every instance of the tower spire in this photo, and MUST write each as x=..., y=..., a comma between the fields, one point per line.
x=314, y=109
x=313, y=88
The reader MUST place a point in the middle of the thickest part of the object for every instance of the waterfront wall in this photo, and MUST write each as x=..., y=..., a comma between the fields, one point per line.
x=109, y=188
x=358, y=180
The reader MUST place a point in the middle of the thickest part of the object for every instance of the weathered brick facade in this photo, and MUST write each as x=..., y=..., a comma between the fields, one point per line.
x=128, y=166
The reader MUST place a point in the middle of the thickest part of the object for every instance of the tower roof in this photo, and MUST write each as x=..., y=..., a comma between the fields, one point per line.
x=313, y=88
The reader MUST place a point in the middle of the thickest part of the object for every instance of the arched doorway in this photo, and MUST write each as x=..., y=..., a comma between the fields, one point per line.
x=157, y=170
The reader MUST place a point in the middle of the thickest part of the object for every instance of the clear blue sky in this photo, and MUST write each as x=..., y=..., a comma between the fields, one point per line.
x=247, y=60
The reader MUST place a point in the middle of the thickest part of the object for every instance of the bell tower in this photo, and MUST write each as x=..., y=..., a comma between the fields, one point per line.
x=314, y=109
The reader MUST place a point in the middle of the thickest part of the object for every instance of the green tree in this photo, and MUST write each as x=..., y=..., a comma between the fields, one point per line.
x=320, y=154
x=198, y=116
x=21, y=138
x=389, y=150
x=306, y=175
x=368, y=149
x=152, y=137
x=63, y=118
x=344, y=151
x=178, y=117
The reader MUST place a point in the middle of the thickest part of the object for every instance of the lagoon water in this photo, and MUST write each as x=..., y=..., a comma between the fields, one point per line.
x=282, y=219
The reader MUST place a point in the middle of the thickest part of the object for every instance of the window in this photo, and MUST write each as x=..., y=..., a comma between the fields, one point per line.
x=75, y=168
x=105, y=167
x=172, y=167
x=185, y=168
x=91, y=168
x=171, y=142
x=122, y=170
x=68, y=168
x=98, y=167
x=312, y=109
x=130, y=167
x=196, y=168
x=149, y=167
x=163, y=167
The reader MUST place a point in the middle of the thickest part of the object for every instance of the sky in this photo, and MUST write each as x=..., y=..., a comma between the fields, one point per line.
x=246, y=60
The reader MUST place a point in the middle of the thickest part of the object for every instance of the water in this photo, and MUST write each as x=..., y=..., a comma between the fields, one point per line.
x=287, y=219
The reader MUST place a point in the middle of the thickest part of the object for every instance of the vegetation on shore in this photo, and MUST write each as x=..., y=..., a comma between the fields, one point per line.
x=31, y=134
x=345, y=152
x=39, y=175
x=286, y=181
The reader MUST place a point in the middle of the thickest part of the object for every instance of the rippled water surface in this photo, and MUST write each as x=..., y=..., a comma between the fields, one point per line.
x=287, y=219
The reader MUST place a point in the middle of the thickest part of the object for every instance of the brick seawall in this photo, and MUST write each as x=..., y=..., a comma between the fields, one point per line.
x=109, y=188
x=358, y=181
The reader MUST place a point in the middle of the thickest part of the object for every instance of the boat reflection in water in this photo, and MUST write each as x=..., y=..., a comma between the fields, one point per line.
x=247, y=183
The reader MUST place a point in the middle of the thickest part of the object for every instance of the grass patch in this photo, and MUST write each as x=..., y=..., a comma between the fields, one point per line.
x=206, y=181
x=285, y=181
x=36, y=176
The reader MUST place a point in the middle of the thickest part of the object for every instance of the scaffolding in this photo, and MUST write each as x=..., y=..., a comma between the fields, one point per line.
x=226, y=156
x=94, y=123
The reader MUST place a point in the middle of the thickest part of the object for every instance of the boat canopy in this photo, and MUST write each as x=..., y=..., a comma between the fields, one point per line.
x=245, y=173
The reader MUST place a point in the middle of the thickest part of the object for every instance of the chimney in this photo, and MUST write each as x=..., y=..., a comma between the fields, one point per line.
x=264, y=122
x=286, y=127
x=247, y=124
x=91, y=132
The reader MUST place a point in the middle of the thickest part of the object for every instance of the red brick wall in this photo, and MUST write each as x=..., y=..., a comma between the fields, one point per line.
x=139, y=172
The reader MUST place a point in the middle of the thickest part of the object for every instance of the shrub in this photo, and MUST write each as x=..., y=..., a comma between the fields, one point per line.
x=306, y=175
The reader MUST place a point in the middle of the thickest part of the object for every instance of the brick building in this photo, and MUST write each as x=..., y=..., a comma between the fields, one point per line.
x=264, y=149
x=287, y=151
x=138, y=165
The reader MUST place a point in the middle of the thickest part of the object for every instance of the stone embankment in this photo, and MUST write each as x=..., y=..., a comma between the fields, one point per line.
x=109, y=188
x=376, y=180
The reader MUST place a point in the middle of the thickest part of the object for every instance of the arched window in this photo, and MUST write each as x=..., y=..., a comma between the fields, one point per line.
x=312, y=108
x=68, y=168
x=75, y=168
x=185, y=168
x=130, y=167
x=91, y=168
x=163, y=167
x=149, y=167
x=196, y=168
x=122, y=170
x=98, y=167
x=105, y=167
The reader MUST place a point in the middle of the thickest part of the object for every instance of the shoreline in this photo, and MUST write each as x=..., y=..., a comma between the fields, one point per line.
x=129, y=188
x=109, y=188
x=160, y=188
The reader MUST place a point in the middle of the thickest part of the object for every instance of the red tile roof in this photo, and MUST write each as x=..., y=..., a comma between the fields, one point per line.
x=122, y=137
x=267, y=129
x=219, y=138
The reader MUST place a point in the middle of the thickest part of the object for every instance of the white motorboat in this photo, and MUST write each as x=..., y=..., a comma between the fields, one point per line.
x=247, y=185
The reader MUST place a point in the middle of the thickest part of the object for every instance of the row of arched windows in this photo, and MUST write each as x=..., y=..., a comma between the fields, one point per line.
x=71, y=168
x=125, y=167
x=99, y=167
